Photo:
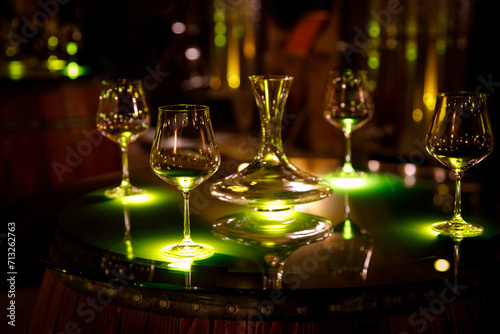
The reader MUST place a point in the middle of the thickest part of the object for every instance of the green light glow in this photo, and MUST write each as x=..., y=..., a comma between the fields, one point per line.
x=373, y=63
x=220, y=28
x=348, y=183
x=430, y=231
x=73, y=70
x=272, y=229
x=219, y=15
x=54, y=64
x=71, y=48
x=347, y=231
x=238, y=189
x=130, y=250
x=154, y=223
x=347, y=168
x=186, y=252
x=373, y=29
x=273, y=222
x=411, y=53
x=417, y=231
x=273, y=215
x=52, y=42
x=275, y=205
x=16, y=69
x=220, y=40
x=367, y=183
x=180, y=266
x=10, y=51
x=186, y=183
x=269, y=244
x=137, y=199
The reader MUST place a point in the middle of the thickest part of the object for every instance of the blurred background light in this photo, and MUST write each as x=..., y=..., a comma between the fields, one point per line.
x=178, y=28
x=192, y=53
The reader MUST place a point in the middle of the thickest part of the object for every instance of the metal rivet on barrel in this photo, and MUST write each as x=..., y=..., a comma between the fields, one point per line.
x=265, y=310
x=230, y=308
x=334, y=308
x=164, y=303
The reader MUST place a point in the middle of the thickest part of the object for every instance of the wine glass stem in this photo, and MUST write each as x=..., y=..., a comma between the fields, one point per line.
x=457, y=211
x=125, y=174
x=187, y=223
x=347, y=159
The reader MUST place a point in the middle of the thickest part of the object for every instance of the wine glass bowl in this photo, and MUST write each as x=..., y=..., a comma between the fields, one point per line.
x=122, y=116
x=184, y=154
x=460, y=136
x=348, y=105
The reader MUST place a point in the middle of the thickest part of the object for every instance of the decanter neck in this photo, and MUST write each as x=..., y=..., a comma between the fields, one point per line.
x=271, y=93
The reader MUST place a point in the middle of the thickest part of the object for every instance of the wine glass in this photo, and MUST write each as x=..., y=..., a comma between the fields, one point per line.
x=348, y=106
x=122, y=116
x=185, y=154
x=460, y=136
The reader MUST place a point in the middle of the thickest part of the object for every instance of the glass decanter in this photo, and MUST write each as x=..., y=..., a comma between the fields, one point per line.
x=270, y=182
x=270, y=185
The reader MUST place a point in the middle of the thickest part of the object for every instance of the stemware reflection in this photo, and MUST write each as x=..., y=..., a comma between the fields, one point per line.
x=120, y=261
x=350, y=247
x=183, y=266
x=272, y=236
x=272, y=261
x=127, y=236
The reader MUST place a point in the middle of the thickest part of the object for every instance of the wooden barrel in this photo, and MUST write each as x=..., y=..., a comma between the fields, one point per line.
x=48, y=135
x=60, y=309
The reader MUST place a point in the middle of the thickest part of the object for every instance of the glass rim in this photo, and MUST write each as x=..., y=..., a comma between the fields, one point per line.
x=183, y=107
x=462, y=93
x=270, y=77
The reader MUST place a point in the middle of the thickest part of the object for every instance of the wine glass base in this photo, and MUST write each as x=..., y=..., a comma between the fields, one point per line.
x=188, y=252
x=123, y=192
x=458, y=230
